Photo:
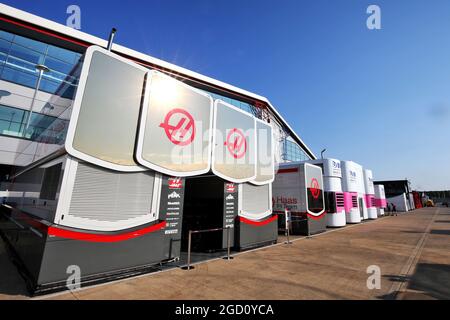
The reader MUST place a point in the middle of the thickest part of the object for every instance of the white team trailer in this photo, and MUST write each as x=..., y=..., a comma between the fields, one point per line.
x=352, y=185
x=298, y=188
x=370, y=194
x=334, y=197
x=380, y=199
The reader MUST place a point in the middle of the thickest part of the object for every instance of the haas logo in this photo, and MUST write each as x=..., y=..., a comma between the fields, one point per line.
x=175, y=183
x=230, y=187
x=315, y=188
x=182, y=132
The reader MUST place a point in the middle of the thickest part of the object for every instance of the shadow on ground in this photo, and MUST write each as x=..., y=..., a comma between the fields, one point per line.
x=429, y=281
x=440, y=232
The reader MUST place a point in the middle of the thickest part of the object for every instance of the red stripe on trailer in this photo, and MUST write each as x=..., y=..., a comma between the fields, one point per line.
x=302, y=214
x=52, y=34
x=258, y=223
x=91, y=237
x=288, y=170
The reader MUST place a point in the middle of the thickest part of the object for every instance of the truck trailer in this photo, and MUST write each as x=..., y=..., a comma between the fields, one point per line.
x=298, y=189
x=119, y=189
x=334, y=197
x=370, y=194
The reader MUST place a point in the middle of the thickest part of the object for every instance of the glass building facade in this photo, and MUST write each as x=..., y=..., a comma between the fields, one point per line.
x=293, y=152
x=18, y=59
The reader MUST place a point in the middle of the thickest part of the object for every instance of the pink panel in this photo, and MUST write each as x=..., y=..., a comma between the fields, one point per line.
x=348, y=203
x=369, y=199
x=380, y=203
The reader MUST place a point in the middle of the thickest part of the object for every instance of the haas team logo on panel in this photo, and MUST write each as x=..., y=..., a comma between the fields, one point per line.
x=230, y=187
x=179, y=126
x=236, y=143
x=315, y=188
x=175, y=183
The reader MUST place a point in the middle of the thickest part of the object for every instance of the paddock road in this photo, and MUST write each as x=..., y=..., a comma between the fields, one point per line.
x=412, y=251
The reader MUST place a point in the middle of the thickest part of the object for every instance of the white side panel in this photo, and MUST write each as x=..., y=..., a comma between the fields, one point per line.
x=286, y=188
x=256, y=201
x=175, y=129
x=234, y=143
x=103, y=125
x=105, y=200
x=265, y=169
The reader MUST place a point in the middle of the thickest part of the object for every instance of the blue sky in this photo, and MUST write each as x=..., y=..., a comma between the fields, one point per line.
x=378, y=97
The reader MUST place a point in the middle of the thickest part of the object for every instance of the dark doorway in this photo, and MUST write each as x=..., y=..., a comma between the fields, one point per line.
x=203, y=209
x=361, y=208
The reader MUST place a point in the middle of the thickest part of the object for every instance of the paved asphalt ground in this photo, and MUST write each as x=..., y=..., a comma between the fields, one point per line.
x=412, y=251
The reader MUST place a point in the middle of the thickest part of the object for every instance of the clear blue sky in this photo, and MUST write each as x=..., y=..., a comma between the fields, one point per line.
x=378, y=97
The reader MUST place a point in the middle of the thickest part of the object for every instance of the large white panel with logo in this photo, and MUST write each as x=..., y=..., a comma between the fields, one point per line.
x=350, y=179
x=234, y=143
x=106, y=108
x=314, y=185
x=368, y=182
x=369, y=194
x=255, y=201
x=175, y=129
x=362, y=191
x=332, y=173
x=100, y=199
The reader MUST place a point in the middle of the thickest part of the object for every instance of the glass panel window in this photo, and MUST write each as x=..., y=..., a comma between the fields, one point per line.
x=18, y=59
x=32, y=57
x=31, y=44
x=42, y=128
x=58, y=65
x=11, y=114
x=63, y=54
x=16, y=76
x=6, y=35
x=48, y=85
x=4, y=46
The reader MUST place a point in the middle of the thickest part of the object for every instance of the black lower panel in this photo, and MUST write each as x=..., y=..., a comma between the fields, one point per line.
x=304, y=225
x=46, y=261
x=250, y=236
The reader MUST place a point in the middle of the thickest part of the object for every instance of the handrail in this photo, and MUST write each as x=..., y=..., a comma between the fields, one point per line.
x=191, y=232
